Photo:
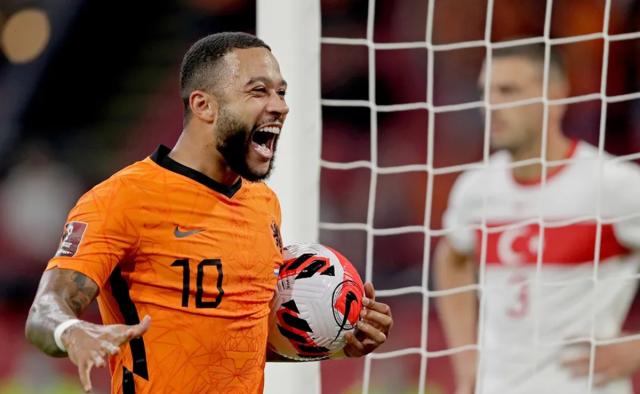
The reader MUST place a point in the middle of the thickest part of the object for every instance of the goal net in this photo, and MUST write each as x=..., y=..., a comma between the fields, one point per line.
x=386, y=114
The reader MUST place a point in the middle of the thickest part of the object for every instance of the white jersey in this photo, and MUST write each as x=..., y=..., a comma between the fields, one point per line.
x=532, y=306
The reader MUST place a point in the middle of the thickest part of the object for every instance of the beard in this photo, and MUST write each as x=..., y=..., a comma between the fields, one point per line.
x=234, y=143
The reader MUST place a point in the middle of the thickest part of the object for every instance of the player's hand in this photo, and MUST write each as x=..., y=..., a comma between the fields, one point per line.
x=372, y=328
x=89, y=344
x=615, y=361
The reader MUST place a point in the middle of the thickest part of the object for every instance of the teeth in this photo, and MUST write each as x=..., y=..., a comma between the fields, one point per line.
x=271, y=129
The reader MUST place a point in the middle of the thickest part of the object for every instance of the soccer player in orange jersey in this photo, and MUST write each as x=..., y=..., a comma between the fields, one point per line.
x=180, y=248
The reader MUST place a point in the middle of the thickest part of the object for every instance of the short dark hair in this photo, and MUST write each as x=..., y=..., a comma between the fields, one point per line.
x=535, y=53
x=197, y=71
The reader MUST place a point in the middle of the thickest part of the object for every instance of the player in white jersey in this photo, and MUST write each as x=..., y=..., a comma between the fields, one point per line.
x=537, y=309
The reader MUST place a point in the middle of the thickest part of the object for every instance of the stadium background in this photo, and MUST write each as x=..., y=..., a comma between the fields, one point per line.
x=87, y=87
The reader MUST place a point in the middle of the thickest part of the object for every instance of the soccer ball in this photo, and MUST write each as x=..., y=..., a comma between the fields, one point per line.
x=318, y=300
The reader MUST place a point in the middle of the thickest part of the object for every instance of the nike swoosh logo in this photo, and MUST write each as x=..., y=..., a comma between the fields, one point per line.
x=350, y=299
x=181, y=234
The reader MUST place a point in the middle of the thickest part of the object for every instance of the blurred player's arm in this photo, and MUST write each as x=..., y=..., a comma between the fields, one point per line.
x=458, y=312
x=614, y=361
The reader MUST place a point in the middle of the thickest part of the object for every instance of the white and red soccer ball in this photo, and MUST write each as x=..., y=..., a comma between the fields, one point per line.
x=318, y=300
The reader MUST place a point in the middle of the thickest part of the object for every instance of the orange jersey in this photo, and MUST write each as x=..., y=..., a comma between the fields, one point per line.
x=199, y=257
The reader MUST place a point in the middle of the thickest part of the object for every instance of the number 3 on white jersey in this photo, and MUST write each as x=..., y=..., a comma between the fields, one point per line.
x=518, y=290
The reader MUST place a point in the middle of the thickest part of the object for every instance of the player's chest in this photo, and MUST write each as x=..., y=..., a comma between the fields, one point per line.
x=242, y=237
x=555, y=201
x=512, y=235
x=207, y=259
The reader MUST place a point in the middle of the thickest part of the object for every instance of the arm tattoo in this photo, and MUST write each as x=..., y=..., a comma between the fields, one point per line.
x=84, y=292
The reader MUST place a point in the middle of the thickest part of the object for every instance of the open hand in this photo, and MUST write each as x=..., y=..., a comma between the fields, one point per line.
x=89, y=344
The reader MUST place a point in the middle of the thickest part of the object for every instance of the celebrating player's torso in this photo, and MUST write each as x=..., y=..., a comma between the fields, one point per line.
x=156, y=238
x=532, y=303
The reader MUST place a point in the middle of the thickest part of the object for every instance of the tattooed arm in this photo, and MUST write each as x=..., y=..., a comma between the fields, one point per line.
x=62, y=295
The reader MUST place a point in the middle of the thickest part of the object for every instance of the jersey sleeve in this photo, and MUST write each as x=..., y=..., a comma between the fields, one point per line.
x=622, y=197
x=98, y=233
x=457, y=218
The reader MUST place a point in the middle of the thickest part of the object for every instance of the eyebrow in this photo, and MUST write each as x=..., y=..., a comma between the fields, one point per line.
x=265, y=80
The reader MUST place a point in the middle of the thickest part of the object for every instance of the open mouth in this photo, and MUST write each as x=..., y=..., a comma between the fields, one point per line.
x=263, y=140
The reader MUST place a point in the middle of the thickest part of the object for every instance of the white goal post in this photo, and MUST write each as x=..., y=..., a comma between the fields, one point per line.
x=292, y=29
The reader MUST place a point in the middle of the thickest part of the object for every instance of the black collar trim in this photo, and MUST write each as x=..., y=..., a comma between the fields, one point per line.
x=161, y=157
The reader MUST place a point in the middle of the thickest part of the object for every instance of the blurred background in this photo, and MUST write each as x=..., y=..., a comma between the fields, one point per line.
x=87, y=87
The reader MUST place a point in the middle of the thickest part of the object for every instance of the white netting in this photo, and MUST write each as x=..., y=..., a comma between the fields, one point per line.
x=431, y=170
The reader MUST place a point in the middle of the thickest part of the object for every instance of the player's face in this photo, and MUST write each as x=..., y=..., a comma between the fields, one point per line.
x=251, y=112
x=514, y=78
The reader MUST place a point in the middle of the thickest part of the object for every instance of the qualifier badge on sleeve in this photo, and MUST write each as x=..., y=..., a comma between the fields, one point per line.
x=73, y=232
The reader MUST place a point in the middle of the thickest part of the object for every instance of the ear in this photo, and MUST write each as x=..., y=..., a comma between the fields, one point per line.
x=203, y=106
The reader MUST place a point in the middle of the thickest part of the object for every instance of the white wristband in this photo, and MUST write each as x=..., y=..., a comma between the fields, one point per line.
x=60, y=329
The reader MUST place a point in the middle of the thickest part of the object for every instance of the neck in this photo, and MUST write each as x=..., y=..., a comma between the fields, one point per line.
x=202, y=155
x=557, y=148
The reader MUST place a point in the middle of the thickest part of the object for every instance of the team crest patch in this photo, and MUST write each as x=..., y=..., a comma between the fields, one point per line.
x=73, y=232
x=277, y=238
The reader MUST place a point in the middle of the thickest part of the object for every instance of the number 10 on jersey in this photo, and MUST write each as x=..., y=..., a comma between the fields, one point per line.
x=186, y=282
